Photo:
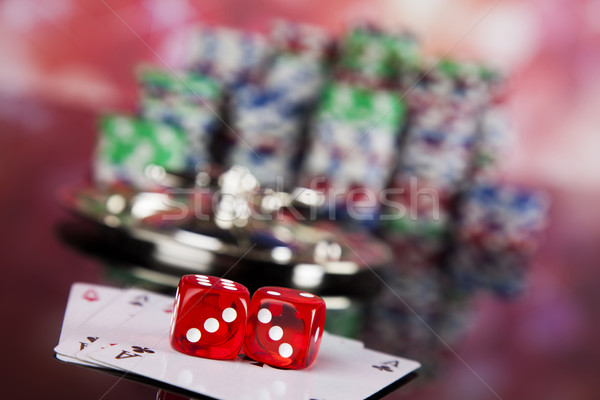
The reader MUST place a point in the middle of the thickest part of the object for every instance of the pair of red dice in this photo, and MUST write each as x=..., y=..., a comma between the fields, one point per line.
x=214, y=318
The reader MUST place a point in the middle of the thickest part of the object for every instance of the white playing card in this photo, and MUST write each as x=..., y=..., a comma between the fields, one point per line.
x=84, y=301
x=343, y=370
x=150, y=324
x=129, y=303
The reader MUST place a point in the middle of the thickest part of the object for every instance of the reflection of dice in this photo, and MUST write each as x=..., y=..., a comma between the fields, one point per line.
x=284, y=327
x=209, y=317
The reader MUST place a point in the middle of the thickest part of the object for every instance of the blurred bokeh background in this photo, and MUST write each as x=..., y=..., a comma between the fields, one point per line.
x=63, y=62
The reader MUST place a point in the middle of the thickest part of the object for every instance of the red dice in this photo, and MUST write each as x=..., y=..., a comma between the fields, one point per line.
x=209, y=317
x=284, y=327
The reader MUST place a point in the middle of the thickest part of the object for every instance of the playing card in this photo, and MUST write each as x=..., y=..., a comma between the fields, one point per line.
x=130, y=331
x=84, y=301
x=152, y=323
x=344, y=369
x=129, y=303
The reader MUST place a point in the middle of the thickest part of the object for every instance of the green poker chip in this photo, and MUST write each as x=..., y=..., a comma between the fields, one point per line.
x=455, y=70
x=378, y=54
x=362, y=106
x=136, y=143
x=185, y=83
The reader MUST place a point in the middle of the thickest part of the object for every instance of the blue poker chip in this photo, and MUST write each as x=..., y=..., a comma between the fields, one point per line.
x=252, y=98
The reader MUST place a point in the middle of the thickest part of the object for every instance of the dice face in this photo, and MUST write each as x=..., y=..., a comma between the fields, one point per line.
x=209, y=317
x=284, y=327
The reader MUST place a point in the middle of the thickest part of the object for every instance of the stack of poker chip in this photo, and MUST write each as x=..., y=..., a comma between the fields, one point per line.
x=494, y=128
x=228, y=55
x=355, y=131
x=445, y=107
x=137, y=152
x=268, y=130
x=353, y=139
x=297, y=77
x=376, y=58
x=188, y=101
x=435, y=158
x=269, y=115
x=498, y=230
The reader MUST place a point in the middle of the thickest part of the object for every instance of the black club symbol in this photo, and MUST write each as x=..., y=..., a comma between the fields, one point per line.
x=139, y=349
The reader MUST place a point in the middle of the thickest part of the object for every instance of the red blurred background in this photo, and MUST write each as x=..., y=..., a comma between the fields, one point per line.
x=63, y=62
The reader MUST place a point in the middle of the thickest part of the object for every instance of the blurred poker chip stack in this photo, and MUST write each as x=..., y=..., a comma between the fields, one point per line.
x=436, y=161
x=269, y=115
x=498, y=229
x=375, y=58
x=188, y=101
x=137, y=152
x=352, y=147
x=230, y=56
x=268, y=132
x=445, y=107
x=298, y=63
x=355, y=131
x=494, y=134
